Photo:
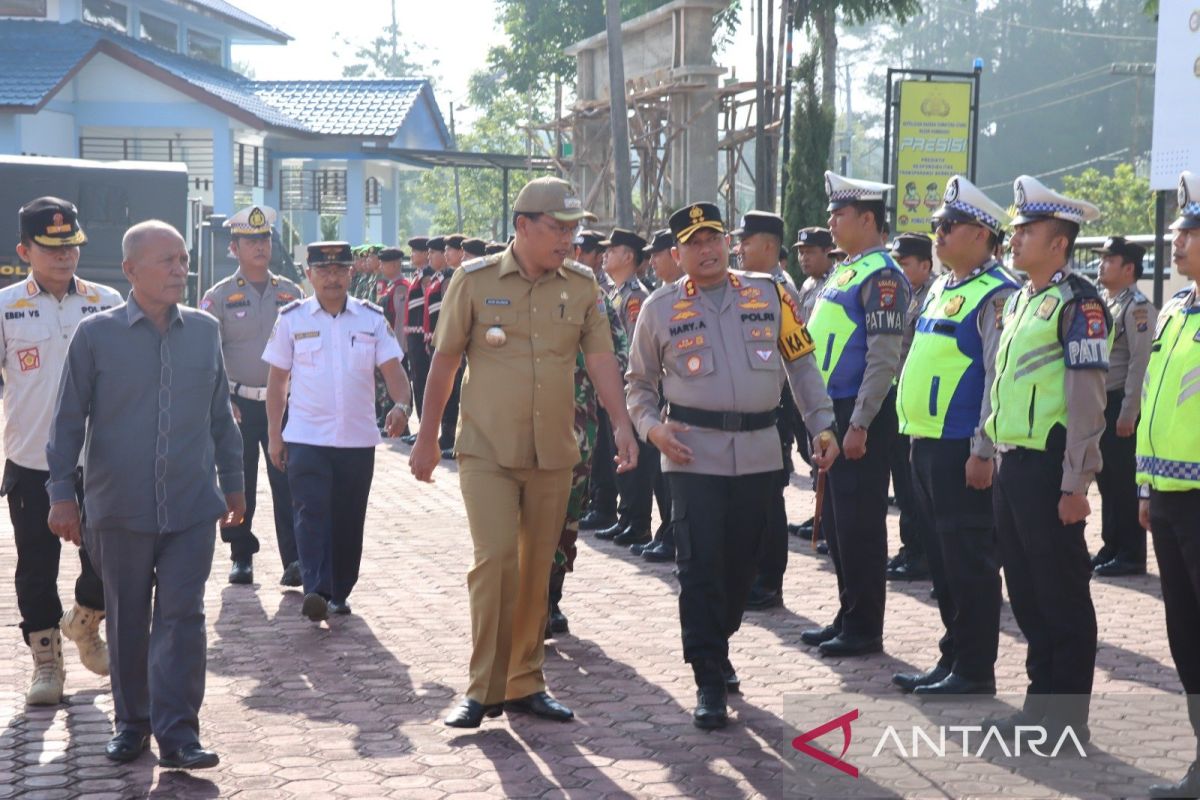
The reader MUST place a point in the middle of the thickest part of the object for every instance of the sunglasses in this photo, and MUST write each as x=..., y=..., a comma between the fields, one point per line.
x=947, y=225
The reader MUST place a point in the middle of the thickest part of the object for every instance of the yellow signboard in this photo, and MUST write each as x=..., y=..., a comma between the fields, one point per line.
x=933, y=143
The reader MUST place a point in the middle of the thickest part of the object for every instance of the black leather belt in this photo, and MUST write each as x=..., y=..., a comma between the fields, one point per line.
x=732, y=421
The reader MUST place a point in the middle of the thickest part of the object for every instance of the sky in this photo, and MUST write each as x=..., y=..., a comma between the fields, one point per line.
x=460, y=50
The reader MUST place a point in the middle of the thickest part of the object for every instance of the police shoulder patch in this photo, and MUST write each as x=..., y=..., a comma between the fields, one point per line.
x=476, y=264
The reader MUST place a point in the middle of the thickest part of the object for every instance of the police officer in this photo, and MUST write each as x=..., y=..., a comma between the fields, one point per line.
x=519, y=319
x=721, y=343
x=1134, y=318
x=411, y=324
x=1047, y=418
x=388, y=283
x=328, y=346
x=942, y=402
x=451, y=258
x=623, y=254
x=474, y=248
x=759, y=239
x=667, y=270
x=913, y=253
x=858, y=326
x=40, y=316
x=454, y=250
x=1168, y=465
x=246, y=305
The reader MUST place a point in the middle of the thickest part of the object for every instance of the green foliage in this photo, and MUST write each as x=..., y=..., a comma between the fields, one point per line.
x=1124, y=199
x=812, y=132
x=329, y=224
x=378, y=59
x=856, y=12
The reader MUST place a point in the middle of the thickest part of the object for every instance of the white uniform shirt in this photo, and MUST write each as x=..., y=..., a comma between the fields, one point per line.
x=332, y=361
x=34, y=333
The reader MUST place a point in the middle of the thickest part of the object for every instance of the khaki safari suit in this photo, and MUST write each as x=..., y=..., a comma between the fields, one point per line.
x=516, y=448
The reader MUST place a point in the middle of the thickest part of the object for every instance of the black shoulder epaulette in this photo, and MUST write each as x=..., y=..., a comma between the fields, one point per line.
x=476, y=264
x=292, y=306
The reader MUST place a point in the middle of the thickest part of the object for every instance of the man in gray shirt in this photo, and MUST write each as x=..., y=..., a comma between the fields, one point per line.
x=144, y=394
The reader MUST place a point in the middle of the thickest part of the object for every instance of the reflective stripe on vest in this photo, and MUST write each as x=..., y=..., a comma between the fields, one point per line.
x=1168, y=437
x=838, y=324
x=941, y=386
x=1029, y=394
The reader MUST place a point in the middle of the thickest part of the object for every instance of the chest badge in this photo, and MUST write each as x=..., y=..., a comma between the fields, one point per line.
x=495, y=336
x=763, y=355
x=693, y=364
x=954, y=306
x=30, y=359
x=1047, y=308
x=845, y=277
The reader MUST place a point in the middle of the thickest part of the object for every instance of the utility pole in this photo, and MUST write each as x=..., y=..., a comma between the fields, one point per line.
x=788, y=20
x=849, y=144
x=395, y=35
x=457, y=193
x=762, y=163
x=619, y=116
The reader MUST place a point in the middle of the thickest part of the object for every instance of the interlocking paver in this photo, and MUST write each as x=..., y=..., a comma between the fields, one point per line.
x=353, y=708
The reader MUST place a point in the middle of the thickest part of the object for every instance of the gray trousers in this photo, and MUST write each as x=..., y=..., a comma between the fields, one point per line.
x=154, y=599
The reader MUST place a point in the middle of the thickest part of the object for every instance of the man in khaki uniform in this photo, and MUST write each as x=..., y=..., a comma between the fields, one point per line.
x=721, y=343
x=520, y=318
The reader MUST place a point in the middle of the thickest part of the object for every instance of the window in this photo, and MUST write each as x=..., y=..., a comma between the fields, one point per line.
x=161, y=32
x=23, y=8
x=106, y=14
x=205, y=47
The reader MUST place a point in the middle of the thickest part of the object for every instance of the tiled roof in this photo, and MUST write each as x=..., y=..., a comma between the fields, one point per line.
x=235, y=14
x=346, y=107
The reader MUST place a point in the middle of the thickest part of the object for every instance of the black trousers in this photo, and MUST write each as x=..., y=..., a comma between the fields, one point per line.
x=961, y=548
x=330, y=486
x=450, y=415
x=1123, y=535
x=719, y=523
x=772, y=560
x=855, y=523
x=636, y=488
x=243, y=543
x=39, y=551
x=418, y=366
x=913, y=521
x=1174, y=525
x=604, y=471
x=662, y=498
x=1048, y=572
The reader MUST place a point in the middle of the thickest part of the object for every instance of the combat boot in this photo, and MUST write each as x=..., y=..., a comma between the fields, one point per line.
x=82, y=626
x=46, y=685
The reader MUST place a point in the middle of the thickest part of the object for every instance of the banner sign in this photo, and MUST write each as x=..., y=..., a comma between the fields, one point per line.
x=933, y=142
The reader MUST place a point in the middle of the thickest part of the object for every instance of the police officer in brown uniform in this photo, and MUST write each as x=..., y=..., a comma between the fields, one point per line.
x=721, y=343
x=1134, y=322
x=519, y=318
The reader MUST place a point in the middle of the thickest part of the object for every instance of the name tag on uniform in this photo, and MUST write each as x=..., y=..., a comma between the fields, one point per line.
x=497, y=301
x=305, y=334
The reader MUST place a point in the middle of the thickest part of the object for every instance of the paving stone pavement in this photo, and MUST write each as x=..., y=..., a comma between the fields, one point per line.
x=353, y=708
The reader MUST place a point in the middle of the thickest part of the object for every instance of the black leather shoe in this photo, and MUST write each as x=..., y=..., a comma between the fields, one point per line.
x=340, y=607
x=611, y=532
x=315, y=607
x=822, y=548
x=761, y=599
x=911, y=680
x=658, y=553
x=558, y=622
x=803, y=530
x=710, y=712
x=733, y=684
x=1103, y=556
x=1188, y=786
x=816, y=636
x=1118, y=567
x=638, y=549
x=847, y=646
x=912, y=568
x=242, y=571
x=409, y=438
x=633, y=535
x=897, y=559
x=1006, y=727
x=540, y=704
x=470, y=713
x=448, y=454
x=126, y=746
x=596, y=521
x=190, y=756
x=956, y=684
x=291, y=575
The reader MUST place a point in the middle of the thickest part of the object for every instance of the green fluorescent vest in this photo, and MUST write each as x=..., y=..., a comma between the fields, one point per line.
x=1168, y=437
x=941, y=386
x=1029, y=394
x=838, y=325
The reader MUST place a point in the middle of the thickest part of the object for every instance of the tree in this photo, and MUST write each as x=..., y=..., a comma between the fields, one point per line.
x=384, y=57
x=1124, y=199
x=812, y=133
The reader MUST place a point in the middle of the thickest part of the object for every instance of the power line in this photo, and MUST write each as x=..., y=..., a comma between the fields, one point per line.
x=1089, y=162
x=1091, y=73
x=1062, y=100
x=1056, y=31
